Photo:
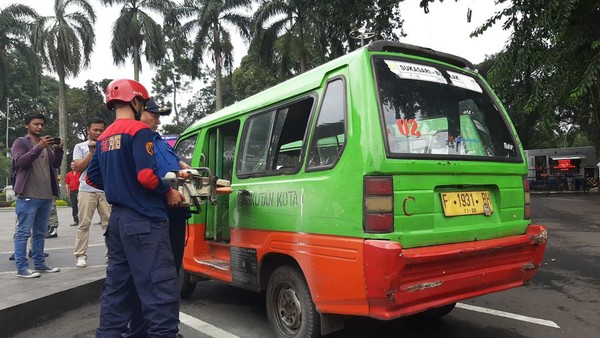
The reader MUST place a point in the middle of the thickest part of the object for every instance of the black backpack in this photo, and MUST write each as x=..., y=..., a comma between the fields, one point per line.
x=13, y=168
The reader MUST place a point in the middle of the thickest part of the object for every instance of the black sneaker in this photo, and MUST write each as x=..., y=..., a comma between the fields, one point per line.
x=11, y=257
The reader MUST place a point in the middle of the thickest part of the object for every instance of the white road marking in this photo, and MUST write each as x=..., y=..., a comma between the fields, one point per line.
x=204, y=327
x=507, y=315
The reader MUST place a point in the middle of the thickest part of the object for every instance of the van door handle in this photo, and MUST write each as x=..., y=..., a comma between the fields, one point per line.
x=244, y=198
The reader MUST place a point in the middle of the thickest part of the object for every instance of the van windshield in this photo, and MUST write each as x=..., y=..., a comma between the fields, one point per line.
x=435, y=112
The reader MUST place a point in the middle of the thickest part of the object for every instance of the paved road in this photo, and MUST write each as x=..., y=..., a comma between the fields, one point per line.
x=563, y=300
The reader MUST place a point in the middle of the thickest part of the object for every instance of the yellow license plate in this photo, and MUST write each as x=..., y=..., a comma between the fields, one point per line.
x=467, y=203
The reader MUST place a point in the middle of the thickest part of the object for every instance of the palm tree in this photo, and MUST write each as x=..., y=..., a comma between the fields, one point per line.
x=208, y=19
x=65, y=42
x=15, y=30
x=292, y=22
x=135, y=32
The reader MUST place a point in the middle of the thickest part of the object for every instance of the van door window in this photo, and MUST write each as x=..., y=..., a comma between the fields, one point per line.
x=220, y=153
x=273, y=140
x=185, y=149
x=329, y=136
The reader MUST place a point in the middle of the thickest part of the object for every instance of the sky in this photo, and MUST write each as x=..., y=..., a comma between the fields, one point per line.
x=444, y=28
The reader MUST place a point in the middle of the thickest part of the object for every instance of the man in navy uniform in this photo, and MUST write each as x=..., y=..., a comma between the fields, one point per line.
x=167, y=161
x=141, y=270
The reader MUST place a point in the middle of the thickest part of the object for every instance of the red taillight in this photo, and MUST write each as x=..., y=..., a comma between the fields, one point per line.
x=378, y=206
x=527, y=198
x=379, y=186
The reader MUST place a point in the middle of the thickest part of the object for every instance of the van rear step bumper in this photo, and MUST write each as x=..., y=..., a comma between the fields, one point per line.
x=403, y=282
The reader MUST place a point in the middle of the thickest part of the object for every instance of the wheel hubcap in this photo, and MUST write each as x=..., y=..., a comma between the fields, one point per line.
x=289, y=309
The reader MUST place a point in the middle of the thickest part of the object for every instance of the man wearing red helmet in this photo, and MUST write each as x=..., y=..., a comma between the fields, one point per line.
x=141, y=270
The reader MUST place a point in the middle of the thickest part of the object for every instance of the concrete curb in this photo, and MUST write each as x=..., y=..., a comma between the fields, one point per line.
x=21, y=316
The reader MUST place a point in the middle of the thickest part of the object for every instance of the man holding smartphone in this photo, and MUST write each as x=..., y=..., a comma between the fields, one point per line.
x=35, y=159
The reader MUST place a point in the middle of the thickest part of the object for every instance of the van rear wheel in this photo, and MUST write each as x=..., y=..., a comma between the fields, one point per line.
x=186, y=286
x=290, y=308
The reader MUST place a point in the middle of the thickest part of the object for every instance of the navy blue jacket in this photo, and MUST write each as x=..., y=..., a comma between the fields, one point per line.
x=124, y=167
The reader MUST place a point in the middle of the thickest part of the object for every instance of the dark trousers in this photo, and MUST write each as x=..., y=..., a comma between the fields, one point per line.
x=177, y=221
x=74, y=208
x=141, y=274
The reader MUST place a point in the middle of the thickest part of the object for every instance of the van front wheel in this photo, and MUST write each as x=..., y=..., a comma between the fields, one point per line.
x=186, y=286
x=290, y=308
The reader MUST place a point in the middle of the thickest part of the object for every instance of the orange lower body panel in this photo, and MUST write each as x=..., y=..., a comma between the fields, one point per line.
x=378, y=278
x=402, y=282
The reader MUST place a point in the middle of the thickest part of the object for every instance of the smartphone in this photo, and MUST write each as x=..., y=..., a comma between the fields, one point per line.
x=56, y=140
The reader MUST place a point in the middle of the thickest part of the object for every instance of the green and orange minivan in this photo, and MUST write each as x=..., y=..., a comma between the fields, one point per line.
x=384, y=183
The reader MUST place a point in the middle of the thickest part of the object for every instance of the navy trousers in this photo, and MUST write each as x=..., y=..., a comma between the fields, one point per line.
x=141, y=274
x=177, y=221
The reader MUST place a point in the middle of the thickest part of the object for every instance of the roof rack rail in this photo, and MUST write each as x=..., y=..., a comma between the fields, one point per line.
x=398, y=47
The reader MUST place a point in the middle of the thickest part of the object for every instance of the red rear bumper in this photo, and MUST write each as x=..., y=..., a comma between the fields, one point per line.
x=402, y=282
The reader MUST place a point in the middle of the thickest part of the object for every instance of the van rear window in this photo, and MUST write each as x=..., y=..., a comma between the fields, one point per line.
x=436, y=112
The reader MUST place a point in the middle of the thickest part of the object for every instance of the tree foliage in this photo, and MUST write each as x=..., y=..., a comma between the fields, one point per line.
x=548, y=75
x=296, y=25
x=82, y=104
x=65, y=42
x=207, y=24
x=549, y=72
x=137, y=34
x=173, y=77
x=253, y=76
x=15, y=31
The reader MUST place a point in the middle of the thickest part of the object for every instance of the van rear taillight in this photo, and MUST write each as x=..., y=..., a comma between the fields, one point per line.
x=378, y=205
x=527, y=198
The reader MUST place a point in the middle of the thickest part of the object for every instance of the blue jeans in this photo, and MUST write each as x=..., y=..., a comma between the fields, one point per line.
x=32, y=218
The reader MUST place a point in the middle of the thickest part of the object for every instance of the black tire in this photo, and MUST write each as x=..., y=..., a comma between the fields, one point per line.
x=290, y=308
x=186, y=286
x=437, y=312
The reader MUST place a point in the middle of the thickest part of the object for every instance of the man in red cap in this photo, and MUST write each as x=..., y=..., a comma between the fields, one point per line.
x=141, y=270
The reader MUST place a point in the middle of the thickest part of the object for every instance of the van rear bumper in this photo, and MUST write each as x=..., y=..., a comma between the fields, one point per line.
x=403, y=282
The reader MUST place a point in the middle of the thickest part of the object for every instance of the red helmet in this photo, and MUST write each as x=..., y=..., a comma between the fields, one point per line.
x=124, y=90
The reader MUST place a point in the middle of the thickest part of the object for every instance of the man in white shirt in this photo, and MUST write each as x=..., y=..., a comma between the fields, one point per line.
x=88, y=199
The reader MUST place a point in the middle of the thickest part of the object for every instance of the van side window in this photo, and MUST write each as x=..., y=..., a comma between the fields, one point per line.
x=272, y=140
x=329, y=136
x=256, y=143
x=185, y=149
